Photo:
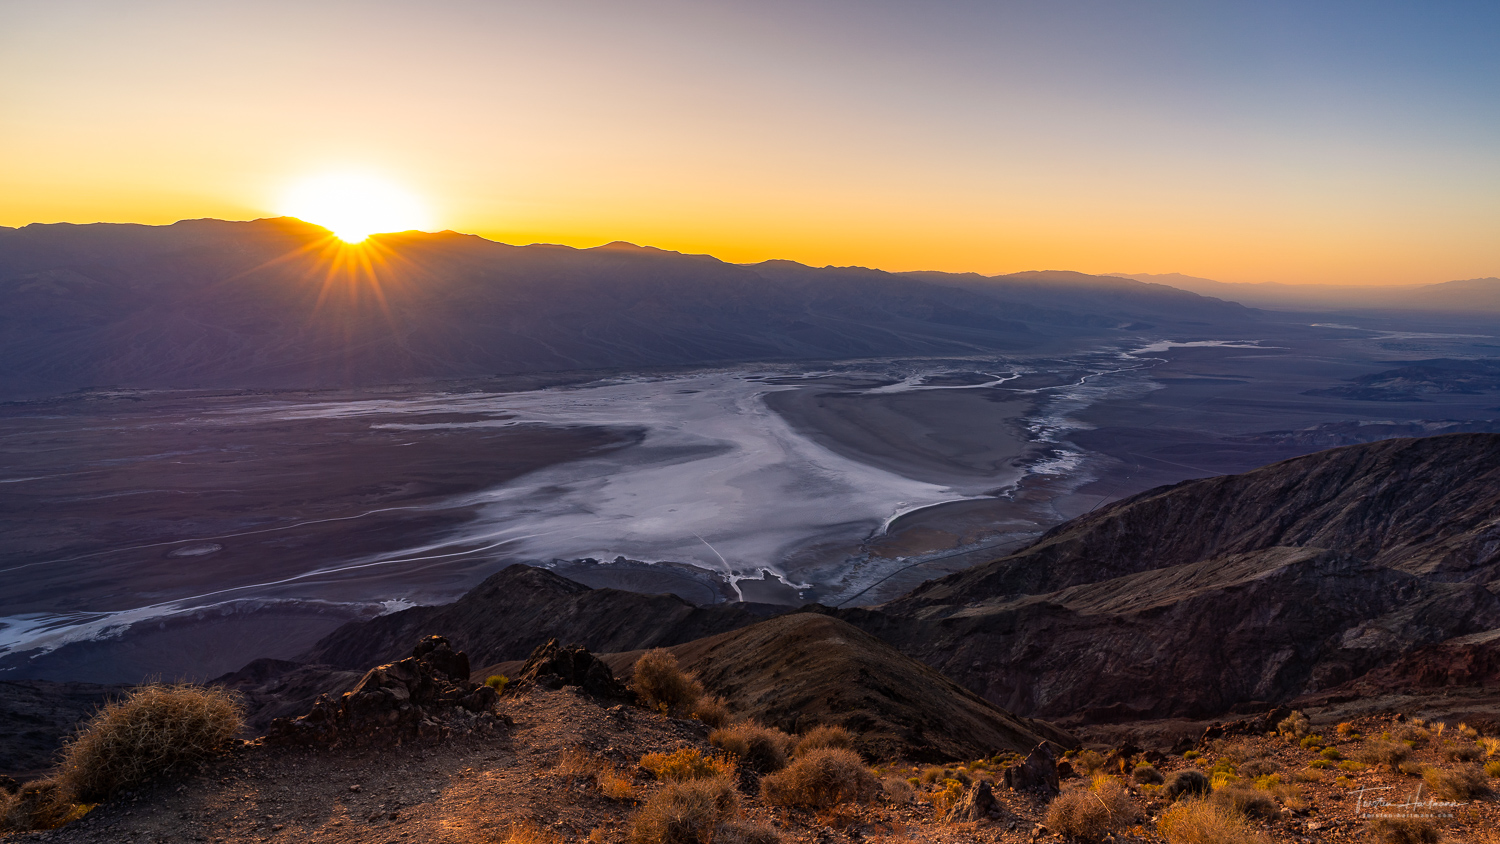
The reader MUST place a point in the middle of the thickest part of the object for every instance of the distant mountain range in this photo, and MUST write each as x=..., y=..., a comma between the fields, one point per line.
x=278, y=303
x=1470, y=296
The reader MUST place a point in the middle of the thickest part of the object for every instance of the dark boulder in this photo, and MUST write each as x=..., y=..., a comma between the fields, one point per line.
x=553, y=667
x=979, y=804
x=1037, y=774
x=425, y=697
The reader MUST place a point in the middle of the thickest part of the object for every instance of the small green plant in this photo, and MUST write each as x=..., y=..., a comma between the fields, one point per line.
x=1191, y=754
x=1492, y=767
x=498, y=682
x=1331, y=754
x=1312, y=742
x=1320, y=764
x=1350, y=765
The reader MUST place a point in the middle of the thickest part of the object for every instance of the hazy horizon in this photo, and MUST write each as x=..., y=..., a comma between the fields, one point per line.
x=1342, y=143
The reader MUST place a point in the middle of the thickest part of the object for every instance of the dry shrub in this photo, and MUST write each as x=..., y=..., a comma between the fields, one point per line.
x=663, y=685
x=1464, y=783
x=1414, y=733
x=1257, y=768
x=1186, y=782
x=1091, y=813
x=712, y=711
x=898, y=790
x=823, y=777
x=686, y=764
x=1246, y=800
x=1491, y=745
x=1492, y=767
x=933, y=774
x=823, y=735
x=688, y=812
x=44, y=804
x=1202, y=822
x=157, y=730
x=1294, y=726
x=1147, y=775
x=1087, y=762
x=1391, y=753
x=1402, y=831
x=761, y=749
x=1463, y=751
x=1345, y=729
x=746, y=833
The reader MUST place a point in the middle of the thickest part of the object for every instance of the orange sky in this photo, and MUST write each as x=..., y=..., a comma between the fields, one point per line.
x=992, y=137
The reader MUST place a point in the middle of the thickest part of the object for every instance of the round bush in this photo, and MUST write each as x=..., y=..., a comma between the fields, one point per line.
x=821, y=778
x=1186, y=782
x=663, y=685
x=157, y=730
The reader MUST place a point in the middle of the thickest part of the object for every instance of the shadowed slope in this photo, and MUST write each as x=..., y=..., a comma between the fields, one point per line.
x=518, y=608
x=1192, y=599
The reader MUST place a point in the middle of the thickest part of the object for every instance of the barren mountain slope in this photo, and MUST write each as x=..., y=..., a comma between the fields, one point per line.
x=1232, y=591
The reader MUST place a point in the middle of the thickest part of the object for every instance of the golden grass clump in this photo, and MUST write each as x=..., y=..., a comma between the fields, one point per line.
x=1091, y=813
x=688, y=763
x=663, y=685
x=157, y=730
x=820, y=778
x=687, y=812
x=761, y=749
x=526, y=832
x=578, y=764
x=1402, y=831
x=1202, y=822
x=823, y=735
x=1463, y=783
x=712, y=711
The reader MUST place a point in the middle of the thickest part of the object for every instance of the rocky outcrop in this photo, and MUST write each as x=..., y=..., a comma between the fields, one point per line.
x=554, y=667
x=518, y=609
x=425, y=697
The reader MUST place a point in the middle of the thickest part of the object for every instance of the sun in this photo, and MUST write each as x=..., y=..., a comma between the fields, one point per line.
x=355, y=206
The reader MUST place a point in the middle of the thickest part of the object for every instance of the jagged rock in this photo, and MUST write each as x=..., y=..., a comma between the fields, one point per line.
x=1119, y=760
x=553, y=667
x=1037, y=774
x=1244, y=726
x=423, y=697
x=437, y=654
x=979, y=804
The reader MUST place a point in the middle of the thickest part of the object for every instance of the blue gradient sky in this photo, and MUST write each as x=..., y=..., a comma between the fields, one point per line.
x=1265, y=141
